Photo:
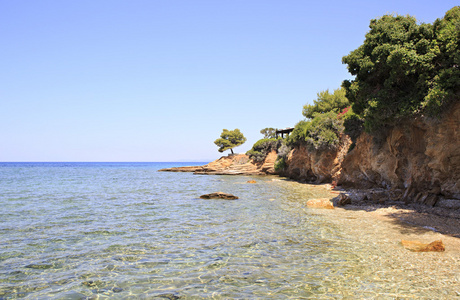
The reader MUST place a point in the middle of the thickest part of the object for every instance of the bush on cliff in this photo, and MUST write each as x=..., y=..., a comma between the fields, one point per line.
x=324, y=131
x=352, y=123
x=404, y=68
x=280, y=164
x=262, y=147
x=326, y=102
x=299, y=134
x=321, y=133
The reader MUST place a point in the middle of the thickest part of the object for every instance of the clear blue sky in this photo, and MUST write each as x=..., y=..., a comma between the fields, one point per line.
x=157, y=80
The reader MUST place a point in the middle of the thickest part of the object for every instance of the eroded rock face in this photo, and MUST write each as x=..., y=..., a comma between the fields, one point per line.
x=316, y=166
x=420, y=157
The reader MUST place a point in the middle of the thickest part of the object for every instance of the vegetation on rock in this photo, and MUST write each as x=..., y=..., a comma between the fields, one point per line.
x=404, y=69
x=326, y=102
x=325, y=126
x=262, y=147
x=230, y=139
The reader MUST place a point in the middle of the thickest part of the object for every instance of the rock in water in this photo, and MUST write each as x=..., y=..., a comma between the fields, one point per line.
x=416, y=246
x=320, y=203
x=251, y=181
x=219, y=195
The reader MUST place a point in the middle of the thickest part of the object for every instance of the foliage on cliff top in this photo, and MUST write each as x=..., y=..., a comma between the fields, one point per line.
x=320, y=133
x=404, y=68
x=269, y=133
x=262, y=147
x=326, y=102
x=230, y=139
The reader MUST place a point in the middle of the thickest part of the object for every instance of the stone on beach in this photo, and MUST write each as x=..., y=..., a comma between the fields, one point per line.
x=320, y=203
x=416, y=246
x=219, y=195
x=344, y=199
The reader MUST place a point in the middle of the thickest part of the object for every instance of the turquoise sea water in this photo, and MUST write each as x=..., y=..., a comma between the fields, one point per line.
x=126, y=231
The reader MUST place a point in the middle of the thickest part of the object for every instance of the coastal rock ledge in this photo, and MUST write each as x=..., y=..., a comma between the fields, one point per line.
x=236, y=164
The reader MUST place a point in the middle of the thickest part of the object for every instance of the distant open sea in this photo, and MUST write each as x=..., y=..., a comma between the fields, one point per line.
x=126, y=231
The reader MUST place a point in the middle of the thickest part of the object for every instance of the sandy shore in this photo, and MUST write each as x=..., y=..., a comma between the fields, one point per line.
x=405, y=222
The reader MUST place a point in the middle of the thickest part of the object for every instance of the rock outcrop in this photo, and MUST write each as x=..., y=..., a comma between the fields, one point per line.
x=316, y=166
x=236, y=164
x=419, y=160
x=416, y=161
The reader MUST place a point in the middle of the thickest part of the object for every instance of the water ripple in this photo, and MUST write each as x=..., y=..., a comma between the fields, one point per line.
x=125, y=231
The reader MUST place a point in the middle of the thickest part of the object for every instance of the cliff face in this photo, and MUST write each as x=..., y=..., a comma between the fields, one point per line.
x=418, y=161
x=420, y=158
x=316, y=166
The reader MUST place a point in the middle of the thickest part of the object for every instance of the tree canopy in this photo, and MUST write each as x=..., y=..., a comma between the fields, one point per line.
x=326, y=102
x=404, y=68
x=230, y=139
x=269, y=133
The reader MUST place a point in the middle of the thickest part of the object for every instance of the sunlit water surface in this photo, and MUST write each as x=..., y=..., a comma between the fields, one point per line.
x=126, y=231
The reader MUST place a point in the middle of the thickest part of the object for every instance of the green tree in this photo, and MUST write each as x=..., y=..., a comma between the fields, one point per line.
x=404, y=68
x=445, y=83
x=269, y=133
x=326, y=102
x=230, y=139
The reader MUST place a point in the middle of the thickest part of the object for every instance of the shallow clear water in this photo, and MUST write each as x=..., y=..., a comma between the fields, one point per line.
x=126, y=231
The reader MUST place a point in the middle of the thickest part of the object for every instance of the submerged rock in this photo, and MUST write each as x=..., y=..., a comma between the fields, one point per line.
x=320, y=203
x=416, y=246
x=169, y=296
x=219, y=195
x=251, y=181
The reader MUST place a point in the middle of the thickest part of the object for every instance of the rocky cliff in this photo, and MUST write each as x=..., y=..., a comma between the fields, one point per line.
x=417, y=161
x=316, y=166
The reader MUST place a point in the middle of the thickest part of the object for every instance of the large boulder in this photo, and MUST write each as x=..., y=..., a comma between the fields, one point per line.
x=320, y=203
x=416, y=246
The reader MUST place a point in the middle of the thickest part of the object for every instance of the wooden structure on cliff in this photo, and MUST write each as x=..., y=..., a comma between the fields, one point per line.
x=284, y=131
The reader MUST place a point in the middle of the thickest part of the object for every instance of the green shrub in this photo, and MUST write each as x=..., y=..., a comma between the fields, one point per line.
x=262, y=147
x=324, y=131
x=283, y=150
x=299, y=134
x=321, y=133
x=326, y=102
x=280, y=164
x=353, y=124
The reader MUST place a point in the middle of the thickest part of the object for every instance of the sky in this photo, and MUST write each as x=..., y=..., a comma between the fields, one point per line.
x=157, y=80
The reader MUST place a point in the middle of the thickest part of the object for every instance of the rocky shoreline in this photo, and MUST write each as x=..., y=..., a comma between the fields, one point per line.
x=438, y=219
x=233, y=164
x=377, y=201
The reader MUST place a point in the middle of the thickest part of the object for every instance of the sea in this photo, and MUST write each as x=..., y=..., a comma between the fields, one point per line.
x=127, y=231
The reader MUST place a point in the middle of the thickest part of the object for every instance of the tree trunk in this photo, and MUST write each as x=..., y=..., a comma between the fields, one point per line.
x=232, y=150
